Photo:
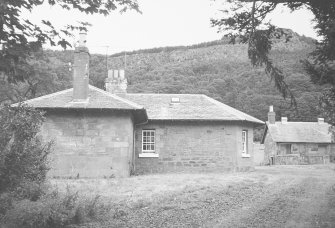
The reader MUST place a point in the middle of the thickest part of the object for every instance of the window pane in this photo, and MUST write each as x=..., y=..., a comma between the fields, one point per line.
x=244, y=141
x=148, y=140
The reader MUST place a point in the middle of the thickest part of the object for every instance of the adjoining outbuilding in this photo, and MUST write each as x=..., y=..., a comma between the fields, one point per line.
x=292, y=143
x=111, y=133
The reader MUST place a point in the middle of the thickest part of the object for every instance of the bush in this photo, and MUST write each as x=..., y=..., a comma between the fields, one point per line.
x=23, y=155
x=55, y=210
x=6, y=202
x=25, y=200
x=30, y=190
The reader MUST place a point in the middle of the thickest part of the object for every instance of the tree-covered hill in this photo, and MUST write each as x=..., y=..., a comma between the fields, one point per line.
x=222, y=71
x=217, y=69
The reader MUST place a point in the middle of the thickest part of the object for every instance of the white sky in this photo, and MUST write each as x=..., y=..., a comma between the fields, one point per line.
x=163, y=23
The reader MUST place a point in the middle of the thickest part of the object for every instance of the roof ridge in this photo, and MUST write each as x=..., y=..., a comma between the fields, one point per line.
x=117, y=97
x=302, y=122
x=45, y=96
x=232, y=110
x=298, y=122
x=166, y=94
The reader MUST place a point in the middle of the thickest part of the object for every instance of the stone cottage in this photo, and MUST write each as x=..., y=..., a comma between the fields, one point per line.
x=290, y=143
x=111, y=133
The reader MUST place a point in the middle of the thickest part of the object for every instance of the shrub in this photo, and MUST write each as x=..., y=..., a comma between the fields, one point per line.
x=6, y=202
x=55, y=210
x=30, y=190
x=25, y=201
x=23, y=155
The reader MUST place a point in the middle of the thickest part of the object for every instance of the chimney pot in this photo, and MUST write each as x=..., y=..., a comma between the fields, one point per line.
x=110, y=73
x=82, y=39
x=121, y=73
x=271, y=116
x=117, y=84
x=284, y=119
x=116, y=74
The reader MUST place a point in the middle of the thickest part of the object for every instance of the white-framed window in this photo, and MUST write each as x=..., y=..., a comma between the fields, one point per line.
x=148, y=141
x=245, y=152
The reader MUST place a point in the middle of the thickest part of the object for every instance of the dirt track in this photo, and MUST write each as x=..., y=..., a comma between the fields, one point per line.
x=303, y=198
x=285, y=196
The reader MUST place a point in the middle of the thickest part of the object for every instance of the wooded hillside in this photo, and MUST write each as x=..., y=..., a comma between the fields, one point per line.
x=217, y=69
x=222, y=71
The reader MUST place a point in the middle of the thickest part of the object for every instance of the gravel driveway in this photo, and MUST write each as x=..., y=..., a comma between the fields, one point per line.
x=278, y=196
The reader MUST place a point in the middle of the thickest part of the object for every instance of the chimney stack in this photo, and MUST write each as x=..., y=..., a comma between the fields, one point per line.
x=81, y=70
x=321, y=120
x=271, y=116
x=116, y=82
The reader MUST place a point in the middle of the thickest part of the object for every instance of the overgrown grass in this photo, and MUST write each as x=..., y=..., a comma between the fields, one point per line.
x=122, y=202
x=138, y=191
x=52, y=210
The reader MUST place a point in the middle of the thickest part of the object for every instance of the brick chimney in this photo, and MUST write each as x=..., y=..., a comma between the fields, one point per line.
x=81, y=70
x=271, y=116
x=116, y=82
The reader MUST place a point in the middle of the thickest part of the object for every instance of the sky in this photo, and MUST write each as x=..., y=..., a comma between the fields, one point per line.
x=162, y=23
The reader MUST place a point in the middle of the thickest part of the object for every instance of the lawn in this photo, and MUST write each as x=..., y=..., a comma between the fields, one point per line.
x=277, y=196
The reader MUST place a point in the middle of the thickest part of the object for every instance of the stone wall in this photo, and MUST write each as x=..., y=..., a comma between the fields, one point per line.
x=194, y=146
x=300, y=153
x=297, y=159
x=297, y=153
x=89, y=143
x=290, y=159
x=258, y=153
x=307, y=153
x=332, y=153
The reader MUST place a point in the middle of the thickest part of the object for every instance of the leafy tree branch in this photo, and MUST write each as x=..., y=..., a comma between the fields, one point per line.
x=19, y=37
x=247, y=25
x=243, y=26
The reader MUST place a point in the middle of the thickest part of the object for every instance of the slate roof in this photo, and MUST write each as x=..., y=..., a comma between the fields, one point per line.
x=304, y=132
x=190, y=107
x=98, y=99
x=154, y=106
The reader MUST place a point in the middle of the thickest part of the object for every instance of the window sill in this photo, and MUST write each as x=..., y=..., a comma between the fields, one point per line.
x=148, y=155
x=245, y=155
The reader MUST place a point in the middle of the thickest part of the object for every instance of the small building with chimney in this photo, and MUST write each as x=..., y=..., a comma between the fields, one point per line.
x=111, y=133
x=296, y=143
